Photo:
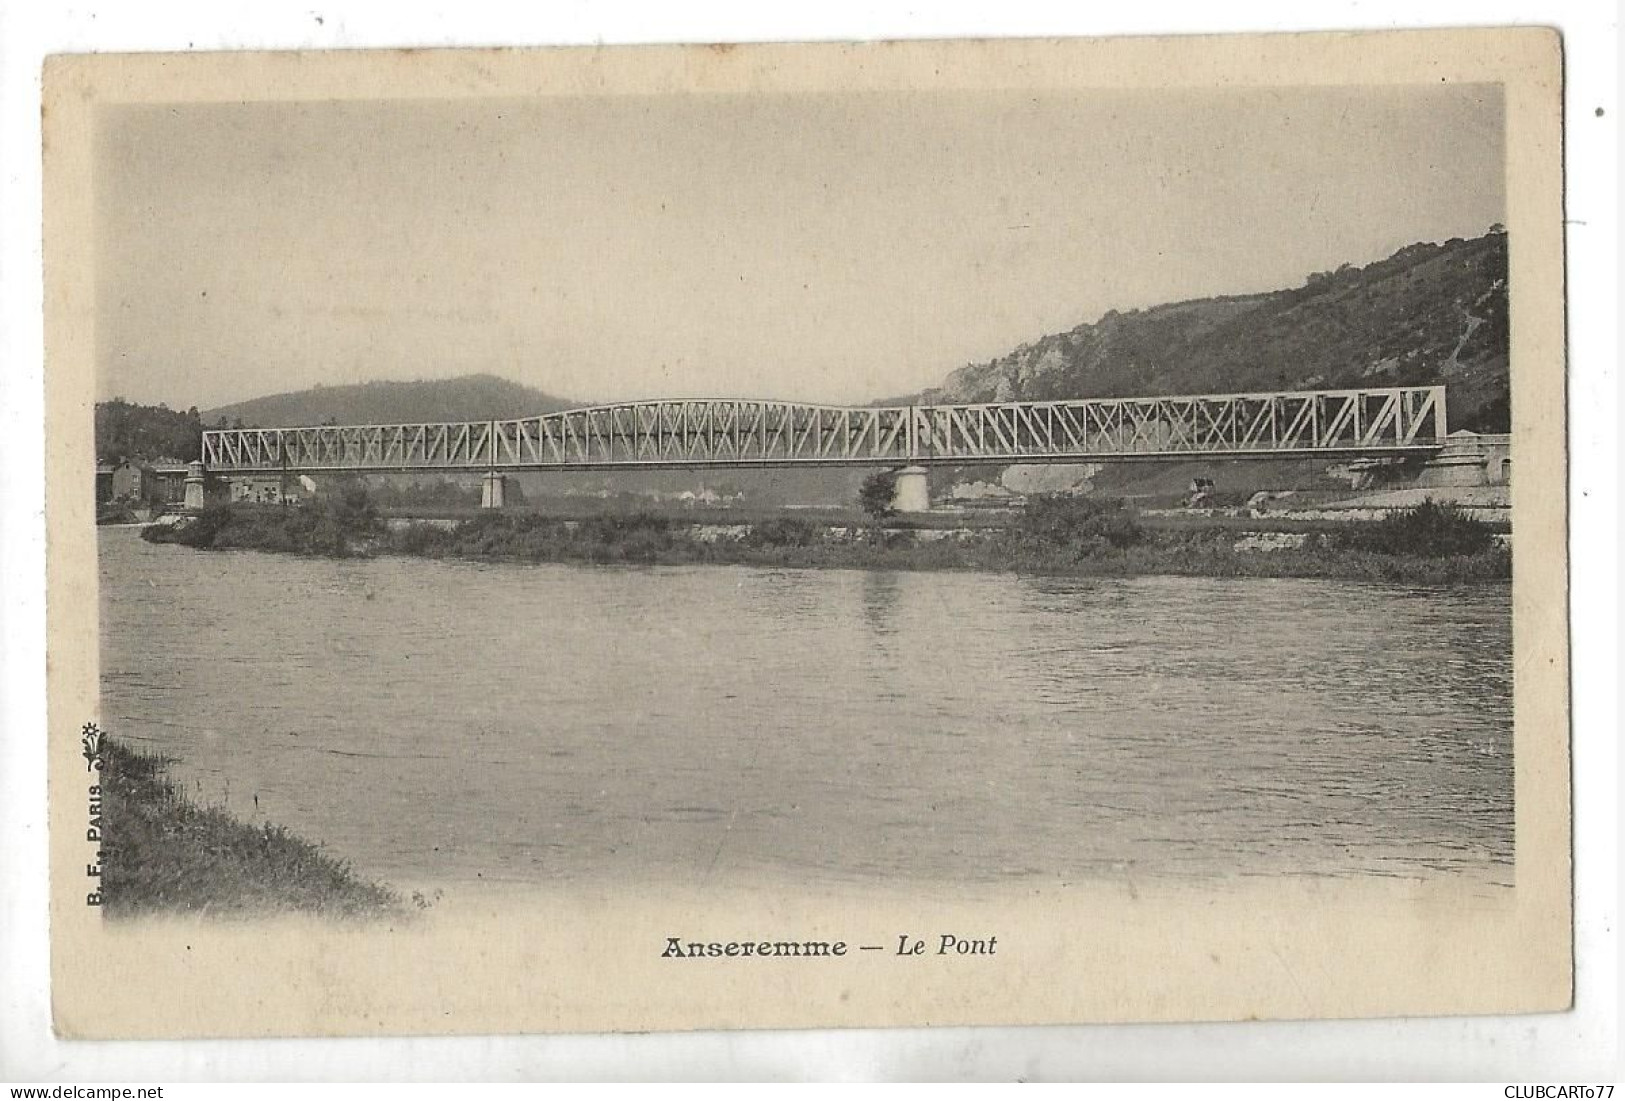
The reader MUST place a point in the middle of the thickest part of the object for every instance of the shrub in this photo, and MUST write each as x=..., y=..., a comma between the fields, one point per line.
x=200, y=531
x=331, y=525
x=632, y=537
x=617, y=528
x=351, y=509
x=425, y=539
x=876, y=494
x=1430, y=530
x=785, y=531
x=1057, y=521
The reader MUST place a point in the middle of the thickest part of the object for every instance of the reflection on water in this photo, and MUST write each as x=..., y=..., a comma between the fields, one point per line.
x=882, y=595
x=446, y=721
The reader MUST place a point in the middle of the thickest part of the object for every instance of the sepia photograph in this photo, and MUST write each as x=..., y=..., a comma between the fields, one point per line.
x=715, y=537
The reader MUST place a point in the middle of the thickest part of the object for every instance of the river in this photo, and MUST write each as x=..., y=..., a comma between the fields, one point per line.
x=446, y=723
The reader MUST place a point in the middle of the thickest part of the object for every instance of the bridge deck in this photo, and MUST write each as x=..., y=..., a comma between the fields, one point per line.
x=724, y=433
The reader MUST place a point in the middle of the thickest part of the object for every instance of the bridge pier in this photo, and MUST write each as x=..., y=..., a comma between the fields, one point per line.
x=1470, y=459
x=196, y=484
x=493, y=490
x=912, y=491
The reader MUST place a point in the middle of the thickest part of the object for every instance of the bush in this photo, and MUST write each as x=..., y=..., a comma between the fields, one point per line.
x=1430, y=530
x=1085, y=526
x=200, y=531
x=638, y=537
x=351, y=509
x=785, y=531
x=876, y=494
x=334, y=524
x=424, y=539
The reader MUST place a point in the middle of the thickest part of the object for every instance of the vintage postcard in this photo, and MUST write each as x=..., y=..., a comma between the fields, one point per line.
x=661, y=538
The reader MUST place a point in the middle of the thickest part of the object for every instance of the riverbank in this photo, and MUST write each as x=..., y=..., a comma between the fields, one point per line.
x=1430, y=544
x=165, y=854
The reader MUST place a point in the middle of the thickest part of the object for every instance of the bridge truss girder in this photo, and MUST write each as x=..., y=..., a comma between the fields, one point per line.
x=702, y=433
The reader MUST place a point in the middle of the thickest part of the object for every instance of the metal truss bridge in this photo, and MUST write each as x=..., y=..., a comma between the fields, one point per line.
x=1395, y=421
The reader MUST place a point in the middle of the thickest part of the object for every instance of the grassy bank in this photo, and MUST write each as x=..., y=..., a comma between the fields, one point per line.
x=165, y=854
x=1432, y=544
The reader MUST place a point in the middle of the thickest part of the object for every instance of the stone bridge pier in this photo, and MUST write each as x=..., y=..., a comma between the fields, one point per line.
x=493, y=490
x=196, y=486
x=1470, y=459
x=911, y=492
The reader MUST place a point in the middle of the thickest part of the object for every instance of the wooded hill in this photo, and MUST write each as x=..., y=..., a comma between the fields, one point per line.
x=1429, y=313
x=125, y=430
x=469, y=398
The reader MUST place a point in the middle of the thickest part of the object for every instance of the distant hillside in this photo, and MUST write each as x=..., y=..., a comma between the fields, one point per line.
x=1429, y=313
x=470, y=398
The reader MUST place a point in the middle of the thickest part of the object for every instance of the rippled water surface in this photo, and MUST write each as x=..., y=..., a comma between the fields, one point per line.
x=461, y=722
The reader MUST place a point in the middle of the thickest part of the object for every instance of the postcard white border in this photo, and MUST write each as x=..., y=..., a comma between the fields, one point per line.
x=1111, y=1050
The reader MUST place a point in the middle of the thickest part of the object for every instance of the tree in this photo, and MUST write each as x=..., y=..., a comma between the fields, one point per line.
x=140, y=433
x=352, y=507
x=876, y=495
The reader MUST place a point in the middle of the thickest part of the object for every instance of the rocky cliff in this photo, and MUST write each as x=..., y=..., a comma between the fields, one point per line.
x=1430, y=313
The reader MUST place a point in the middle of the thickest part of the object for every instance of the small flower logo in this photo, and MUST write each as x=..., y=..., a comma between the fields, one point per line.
x=90, y=737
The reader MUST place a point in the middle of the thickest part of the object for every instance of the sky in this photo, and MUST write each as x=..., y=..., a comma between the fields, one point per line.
x=833, y=248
